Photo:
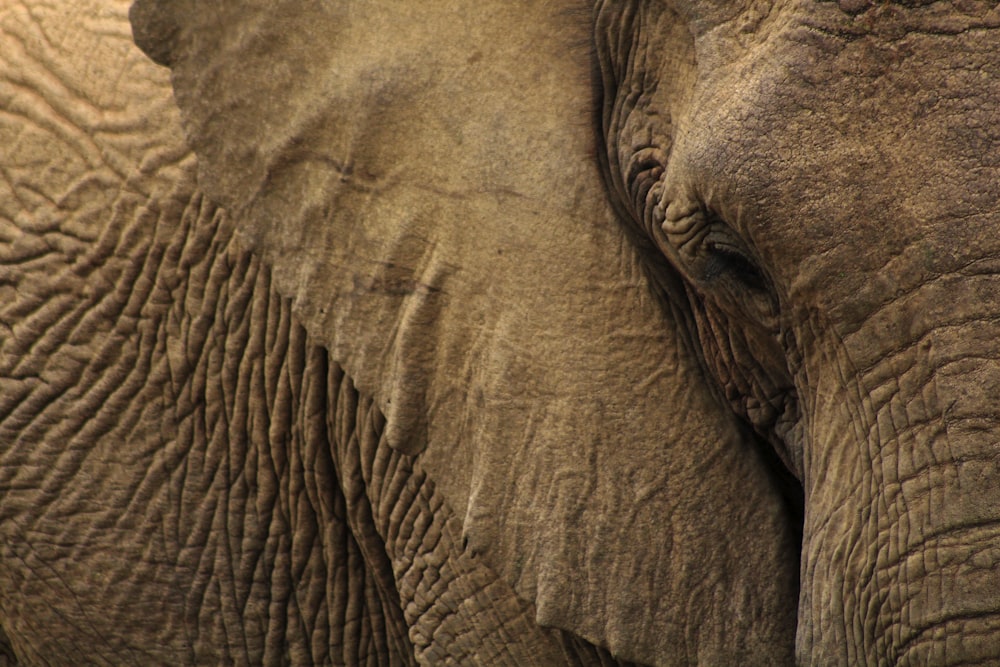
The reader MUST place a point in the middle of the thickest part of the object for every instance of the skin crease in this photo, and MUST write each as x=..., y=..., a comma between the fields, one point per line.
x=851, y=161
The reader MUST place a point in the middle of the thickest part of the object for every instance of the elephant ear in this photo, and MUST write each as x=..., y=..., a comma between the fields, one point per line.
x=422, y=179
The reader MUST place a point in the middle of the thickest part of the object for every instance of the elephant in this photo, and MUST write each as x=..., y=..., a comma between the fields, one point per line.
x=332, y=364
x=433, y=412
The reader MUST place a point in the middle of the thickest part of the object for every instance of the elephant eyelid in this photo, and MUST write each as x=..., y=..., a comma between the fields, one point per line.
x=725, y=259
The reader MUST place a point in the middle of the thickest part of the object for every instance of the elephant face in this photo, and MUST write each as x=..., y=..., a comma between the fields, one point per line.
x=443, y=413
x=518, y=315
x=825, y=179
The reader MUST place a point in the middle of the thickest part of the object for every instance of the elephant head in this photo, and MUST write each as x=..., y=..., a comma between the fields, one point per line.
x=812, y=188
x=824, y=177
x=423, y=182
x=445, y=412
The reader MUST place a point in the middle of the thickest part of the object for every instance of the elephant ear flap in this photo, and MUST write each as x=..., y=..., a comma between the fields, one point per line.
x=449, y=240
x=282, y=111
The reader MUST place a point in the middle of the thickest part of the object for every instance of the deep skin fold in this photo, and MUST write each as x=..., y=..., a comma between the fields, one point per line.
x=879, y=428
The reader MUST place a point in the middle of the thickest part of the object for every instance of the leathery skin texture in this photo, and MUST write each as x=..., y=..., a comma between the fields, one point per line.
x=673, y=342
x=824, y=176
x=190, y=475
x=226, y=496
x=492, y=304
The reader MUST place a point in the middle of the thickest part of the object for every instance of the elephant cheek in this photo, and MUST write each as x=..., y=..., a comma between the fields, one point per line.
x=902, y=529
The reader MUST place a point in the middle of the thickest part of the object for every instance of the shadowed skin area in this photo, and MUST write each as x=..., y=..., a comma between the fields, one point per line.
x=428, y=427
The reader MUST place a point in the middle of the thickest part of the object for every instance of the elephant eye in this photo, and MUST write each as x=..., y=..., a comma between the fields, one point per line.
x=722, y=265
x=716, y=260
x=726, y=260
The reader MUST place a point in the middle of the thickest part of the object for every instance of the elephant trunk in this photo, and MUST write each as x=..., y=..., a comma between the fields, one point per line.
x=901, y=548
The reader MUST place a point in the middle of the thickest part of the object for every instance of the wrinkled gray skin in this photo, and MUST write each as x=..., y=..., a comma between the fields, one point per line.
x=825, y=180
x=462, y=379
x=407, y=406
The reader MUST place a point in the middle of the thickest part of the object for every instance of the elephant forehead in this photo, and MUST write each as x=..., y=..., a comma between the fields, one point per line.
x=836, y=152
x=748, y=20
